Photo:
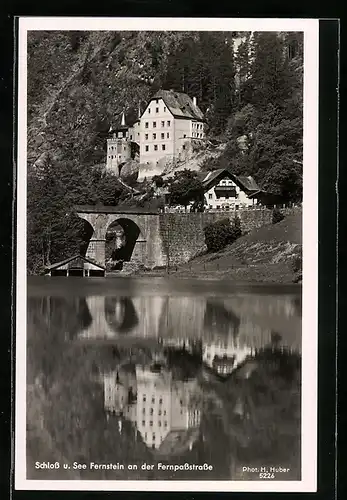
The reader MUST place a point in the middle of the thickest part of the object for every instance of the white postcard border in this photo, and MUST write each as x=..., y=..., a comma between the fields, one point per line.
x=310, y=28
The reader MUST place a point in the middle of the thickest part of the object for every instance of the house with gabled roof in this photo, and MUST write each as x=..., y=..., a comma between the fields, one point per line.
x=168, y=124
x=225, y=191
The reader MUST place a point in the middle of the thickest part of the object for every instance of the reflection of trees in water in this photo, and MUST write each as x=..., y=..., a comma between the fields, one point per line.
x=219, y=319
x=59, y=315
x=183, y=364
x=297, y=304
x=120, y=314
x=244, y=419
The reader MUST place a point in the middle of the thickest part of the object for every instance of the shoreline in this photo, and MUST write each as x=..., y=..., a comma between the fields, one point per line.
x=239, y=276
x=262, y=275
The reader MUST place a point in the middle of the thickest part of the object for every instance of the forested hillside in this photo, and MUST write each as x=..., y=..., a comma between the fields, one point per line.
x=80, y=82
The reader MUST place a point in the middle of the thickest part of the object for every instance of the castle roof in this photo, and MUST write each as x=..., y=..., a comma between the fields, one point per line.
x=180, y=104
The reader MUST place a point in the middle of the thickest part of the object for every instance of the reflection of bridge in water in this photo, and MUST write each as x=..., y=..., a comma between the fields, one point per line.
x=252, y=320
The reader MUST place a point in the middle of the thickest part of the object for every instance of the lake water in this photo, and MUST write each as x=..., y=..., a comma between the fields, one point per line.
x=130, y=377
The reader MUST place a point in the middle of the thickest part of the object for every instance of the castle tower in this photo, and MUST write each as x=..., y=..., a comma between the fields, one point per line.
x=118, y=147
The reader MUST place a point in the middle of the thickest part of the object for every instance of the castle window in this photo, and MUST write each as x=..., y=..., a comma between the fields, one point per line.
x=163, y=136
x=167, y=135
x=184, y=147
x=165, y=423
x=154, y=136
x=161, y=401
x=154, y=124
x=153, y=400
x=144, y=399
x=151, y=411
x=210, y=196
x=163, y=123
x=157, y=110
x=184, y=136
x=146, y=136
x=149, y=110
x=168, y=123
x=155, y=147
x=112, y=157
x=147, y=148
x=163, y=147
x=146, y=124
x=153, y=436
x=159, y=423
x=159, y=412
x=151, y=423
x=164, y=109
x=131, y=137
x=143, y=423
x=156, y=101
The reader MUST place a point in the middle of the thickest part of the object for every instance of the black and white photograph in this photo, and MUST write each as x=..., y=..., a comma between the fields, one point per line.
x=166, y=254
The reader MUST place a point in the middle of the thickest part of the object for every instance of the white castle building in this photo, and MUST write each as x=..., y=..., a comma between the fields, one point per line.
x=164, y=131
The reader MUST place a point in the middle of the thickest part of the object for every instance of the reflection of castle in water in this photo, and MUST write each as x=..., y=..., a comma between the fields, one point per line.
x=165, y=412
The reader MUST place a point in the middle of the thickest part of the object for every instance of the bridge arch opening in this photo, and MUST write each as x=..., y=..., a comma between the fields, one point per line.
x=121, y=237
x=86, y=231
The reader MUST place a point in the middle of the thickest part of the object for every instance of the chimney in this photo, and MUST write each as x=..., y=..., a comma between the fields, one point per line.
x=194, y=101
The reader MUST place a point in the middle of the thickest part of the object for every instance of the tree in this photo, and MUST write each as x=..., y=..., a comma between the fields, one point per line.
x=184, y=188
x=158, y=180
x=54, y=231
x=268, y=124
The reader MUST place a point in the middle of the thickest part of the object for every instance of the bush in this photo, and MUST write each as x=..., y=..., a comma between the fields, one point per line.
x=221, y=233
x=158, y=180
x=277, y=216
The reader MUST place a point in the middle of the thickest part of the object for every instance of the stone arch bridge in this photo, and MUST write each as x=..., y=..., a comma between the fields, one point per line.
x=159, y=239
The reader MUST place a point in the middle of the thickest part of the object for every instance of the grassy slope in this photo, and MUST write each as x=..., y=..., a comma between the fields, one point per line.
x=264, y=255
